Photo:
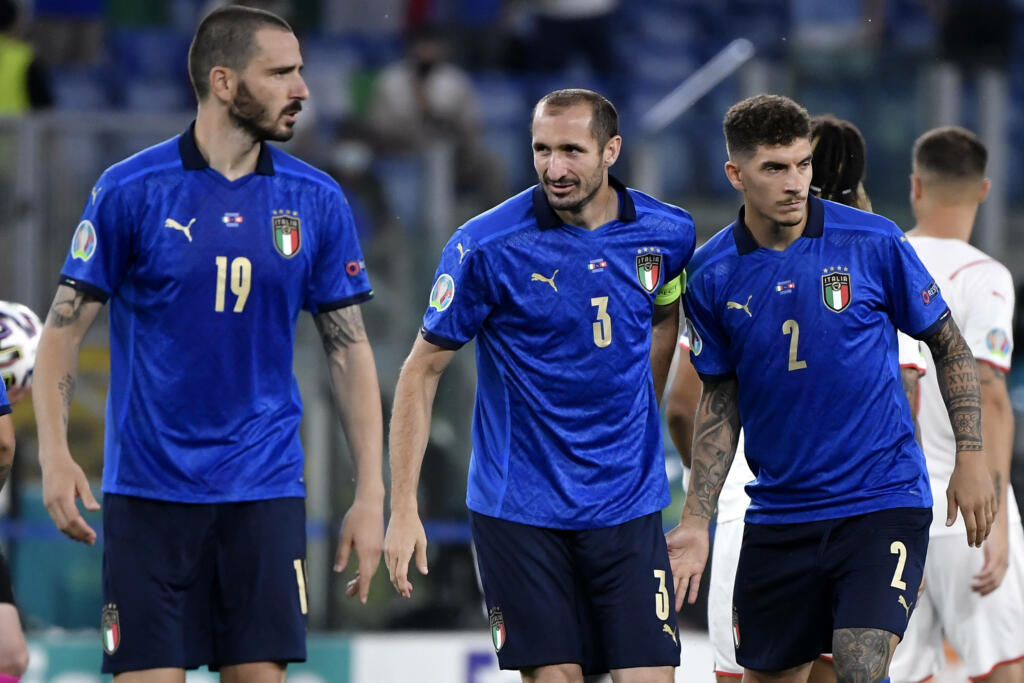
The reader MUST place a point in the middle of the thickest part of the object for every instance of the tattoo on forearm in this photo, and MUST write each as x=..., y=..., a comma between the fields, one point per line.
x=66, y=387
x=5, y=471
x=340, y=328
x=716, y=430
x=958, y=382
x=65, y=311
x=861, y=654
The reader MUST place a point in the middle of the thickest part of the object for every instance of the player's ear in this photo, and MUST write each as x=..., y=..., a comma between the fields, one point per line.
x=732, y=172
x=916, y=189
x=986, y=185
x=223, y=83
x=612, y=149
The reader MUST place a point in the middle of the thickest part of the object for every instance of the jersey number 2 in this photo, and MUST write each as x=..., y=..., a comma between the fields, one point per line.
x=241, y=282
x=791, y=327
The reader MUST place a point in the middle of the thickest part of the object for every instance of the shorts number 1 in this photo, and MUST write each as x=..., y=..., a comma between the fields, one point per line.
x=300, y=578
x=661, y=607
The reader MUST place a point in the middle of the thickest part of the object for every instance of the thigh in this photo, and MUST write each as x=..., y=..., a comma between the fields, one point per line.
x=984, y=630
x=782, y=605
x=920, y=653
x=875, y=562
x=628, y=583
x=261, y=597
x=724, y=557
x=532, y=596
x=157, y=584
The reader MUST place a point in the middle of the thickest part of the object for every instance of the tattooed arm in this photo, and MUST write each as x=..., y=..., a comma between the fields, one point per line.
x=997, y=429
x=353, y=379
x=970, y=486
x=70, y=317
x=664, y=333
x=716, y=431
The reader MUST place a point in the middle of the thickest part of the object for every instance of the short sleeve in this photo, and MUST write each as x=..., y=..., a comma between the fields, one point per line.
x=339, y=276
x=709, y=349
x=988, y=326
x=911, y=354
x=462, y=295
x=915, y=303
x=101, y=246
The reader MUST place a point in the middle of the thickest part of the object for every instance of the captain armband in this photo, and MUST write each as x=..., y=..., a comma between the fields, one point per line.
x=671, y=291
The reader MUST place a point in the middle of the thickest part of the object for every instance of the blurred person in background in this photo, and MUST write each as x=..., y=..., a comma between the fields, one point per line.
x=425, y=99
x=571, y=289
x=973, y=596
x=837, y=161
x=13, y=648
x=208, y=247
x=567, y=29
x=24, y=83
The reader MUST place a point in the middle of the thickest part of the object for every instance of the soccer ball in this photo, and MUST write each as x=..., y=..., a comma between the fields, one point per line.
x=19, y=338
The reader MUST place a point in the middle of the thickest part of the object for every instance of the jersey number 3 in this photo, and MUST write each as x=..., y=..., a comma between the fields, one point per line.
x=603, y=323
x=241, y=282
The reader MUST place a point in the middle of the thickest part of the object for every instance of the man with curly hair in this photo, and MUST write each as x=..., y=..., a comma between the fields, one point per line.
x=792, y=312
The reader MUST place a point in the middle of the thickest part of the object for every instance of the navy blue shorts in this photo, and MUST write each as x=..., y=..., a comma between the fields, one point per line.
x=796, y=583
x=602, y=598
x=191, y=584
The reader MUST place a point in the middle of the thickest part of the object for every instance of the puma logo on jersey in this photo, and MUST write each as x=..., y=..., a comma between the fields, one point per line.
x=729, y=305
x=462, y=251
x=187, y=229
x=669, y=630
x=905, y=606
x=537, y=277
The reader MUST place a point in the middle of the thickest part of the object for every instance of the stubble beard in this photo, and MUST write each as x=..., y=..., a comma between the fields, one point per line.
x=250, y=115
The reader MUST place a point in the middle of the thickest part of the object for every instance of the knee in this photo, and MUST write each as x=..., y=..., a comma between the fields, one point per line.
x=553, y=673
x=861, y=655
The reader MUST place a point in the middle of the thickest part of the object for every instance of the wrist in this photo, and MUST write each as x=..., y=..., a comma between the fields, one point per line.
x=694, y=520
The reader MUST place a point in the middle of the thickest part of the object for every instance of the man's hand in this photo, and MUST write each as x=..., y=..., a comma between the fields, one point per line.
x=688, y=555
x=15, y=394
x=971, y=490
x=63, y=482
x=997, y=558
x=405, y=537
x=362, y=529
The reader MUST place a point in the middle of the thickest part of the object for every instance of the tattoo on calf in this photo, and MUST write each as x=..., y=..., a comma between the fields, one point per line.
x=861, y=654
x=340, y=328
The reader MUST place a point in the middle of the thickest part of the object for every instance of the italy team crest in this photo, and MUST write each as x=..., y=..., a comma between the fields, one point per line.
x=110, y=625
x=835, y=291
x=287, y=233
x=648, y=269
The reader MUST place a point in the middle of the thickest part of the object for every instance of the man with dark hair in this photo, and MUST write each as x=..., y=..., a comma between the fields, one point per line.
x=837, y=528
x=208, y=246
x=572, y=291
x=973, y=597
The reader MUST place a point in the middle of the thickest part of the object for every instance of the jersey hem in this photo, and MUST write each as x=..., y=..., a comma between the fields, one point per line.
x=166, y=496
x=934, y=327
x=572, y=525
x=5, y=410
x=993, y=364
x=849, y=510
x=92, y=290
x=714, y=379
x=347, y=301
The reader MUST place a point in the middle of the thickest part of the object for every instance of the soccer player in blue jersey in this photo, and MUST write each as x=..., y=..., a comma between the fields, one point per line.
x=793, y=311
x=571, y=290
x=207, y=247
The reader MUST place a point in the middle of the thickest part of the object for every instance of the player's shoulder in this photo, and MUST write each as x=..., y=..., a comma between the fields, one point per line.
x=717, y=254
x=502, y=222
x=162, y=157
x=843, y=220
x=296, y=169
x=959, y=259
x=670, y=215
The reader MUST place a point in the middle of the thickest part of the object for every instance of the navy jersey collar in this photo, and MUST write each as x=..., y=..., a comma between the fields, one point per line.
x=815, y=226
x=547, y=218
x=193, y=160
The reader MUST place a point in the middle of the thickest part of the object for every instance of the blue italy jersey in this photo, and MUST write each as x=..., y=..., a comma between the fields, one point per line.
x=206, y=278
x=565, y=429
x=810, y=334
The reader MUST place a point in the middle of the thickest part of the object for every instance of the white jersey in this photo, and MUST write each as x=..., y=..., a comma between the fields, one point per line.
x=733, y=501
x=979, y=292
